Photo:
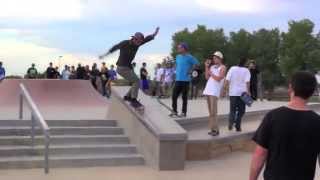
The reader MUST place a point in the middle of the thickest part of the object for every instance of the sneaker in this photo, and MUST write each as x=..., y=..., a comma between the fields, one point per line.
x=174, y=115
x=127, y=98
x=230, y=127
x=135, y=103
x=214, y=133
x=238, y=129
x=183, y=115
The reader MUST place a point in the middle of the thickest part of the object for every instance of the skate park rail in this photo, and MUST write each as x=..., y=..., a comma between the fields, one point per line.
x=36, y=117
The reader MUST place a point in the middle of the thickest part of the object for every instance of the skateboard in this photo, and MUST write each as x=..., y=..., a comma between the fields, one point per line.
x=246, y=98
x=140, y=109
x=164, y=105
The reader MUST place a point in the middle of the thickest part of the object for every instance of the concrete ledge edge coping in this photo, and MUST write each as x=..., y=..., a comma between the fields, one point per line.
x=245, y=135
x=163, y=134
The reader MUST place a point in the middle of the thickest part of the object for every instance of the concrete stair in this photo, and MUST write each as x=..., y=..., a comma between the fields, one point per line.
x=74, y=143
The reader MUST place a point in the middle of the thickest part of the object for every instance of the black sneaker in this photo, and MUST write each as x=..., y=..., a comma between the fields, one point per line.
x=183, y=115
x=230, y=127
x=174, y=115
x=238, y=129
x=214, y=133
x=135, y=103
x=127, y=98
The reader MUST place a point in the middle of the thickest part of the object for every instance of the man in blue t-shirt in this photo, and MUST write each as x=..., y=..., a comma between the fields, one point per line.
x=184, y=64
x=2, y=72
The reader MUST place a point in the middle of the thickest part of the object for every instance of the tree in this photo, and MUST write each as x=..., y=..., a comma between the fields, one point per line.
x=277, y=54
x=299, y=48
x=264, y=50
x=202, y=42
x=238, y=46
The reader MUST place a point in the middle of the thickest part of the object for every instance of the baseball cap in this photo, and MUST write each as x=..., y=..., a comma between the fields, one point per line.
x=138, y=35
x=184, y=45
x=218, y=54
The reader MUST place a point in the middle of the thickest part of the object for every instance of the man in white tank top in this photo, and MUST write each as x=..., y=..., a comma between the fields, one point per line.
x=215, y=73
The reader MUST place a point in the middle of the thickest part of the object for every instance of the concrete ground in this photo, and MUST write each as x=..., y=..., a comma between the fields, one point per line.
x=227, y=167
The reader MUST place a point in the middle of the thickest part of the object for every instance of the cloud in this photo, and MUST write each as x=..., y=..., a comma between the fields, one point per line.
x=41, y=9
x=17, y=56
x=242, y=6
x=245, y=6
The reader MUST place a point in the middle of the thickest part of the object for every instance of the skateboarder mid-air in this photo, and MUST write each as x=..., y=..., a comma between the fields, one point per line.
x=128, y=50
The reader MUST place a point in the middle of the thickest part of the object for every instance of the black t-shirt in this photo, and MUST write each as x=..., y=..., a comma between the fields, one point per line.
x=81, y=73
x=196, y=76
x=292, y=139
x=32, y=73
x=128, y=51
x=94, y=73
x=143, y=71
x=51, y=73
x=254, y=75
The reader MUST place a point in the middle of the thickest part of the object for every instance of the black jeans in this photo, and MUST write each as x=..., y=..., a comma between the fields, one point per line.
x=94, y=82
x=237, y=110
x=254, y=90
x=180, y=87
x=103, y=87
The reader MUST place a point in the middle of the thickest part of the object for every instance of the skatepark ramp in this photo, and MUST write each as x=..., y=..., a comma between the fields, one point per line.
x=56, y=99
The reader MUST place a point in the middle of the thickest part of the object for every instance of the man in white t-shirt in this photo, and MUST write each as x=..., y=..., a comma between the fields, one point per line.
x=168, y=79
x=159, y=79
x=65, y=74
x=238, y=80
x=318, y=81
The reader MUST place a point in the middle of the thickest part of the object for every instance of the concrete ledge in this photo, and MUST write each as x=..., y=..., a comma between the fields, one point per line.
x=223, y=119
x=190, y=123
x=206, y=149
x=161, y=140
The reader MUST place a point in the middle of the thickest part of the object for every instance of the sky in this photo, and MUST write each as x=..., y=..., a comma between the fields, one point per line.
x=77, y=31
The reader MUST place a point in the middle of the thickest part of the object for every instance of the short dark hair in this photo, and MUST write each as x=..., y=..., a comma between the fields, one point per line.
x=303, y=84
x=243, y=61
x=143, y=64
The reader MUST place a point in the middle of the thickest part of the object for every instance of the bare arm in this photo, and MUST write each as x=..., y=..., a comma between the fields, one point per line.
x=248, y=87
x=207, y=69
x=225, y=88
x=221, y=75
x=258, y=160
x=145, y=73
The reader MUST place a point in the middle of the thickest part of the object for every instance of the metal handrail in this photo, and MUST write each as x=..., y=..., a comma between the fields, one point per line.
x=36, y=117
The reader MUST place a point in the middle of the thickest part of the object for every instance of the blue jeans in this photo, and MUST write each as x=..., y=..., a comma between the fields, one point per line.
x=237, y=110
